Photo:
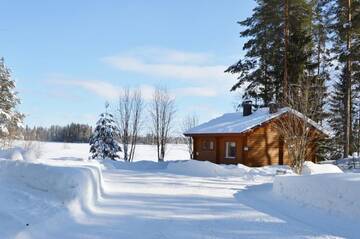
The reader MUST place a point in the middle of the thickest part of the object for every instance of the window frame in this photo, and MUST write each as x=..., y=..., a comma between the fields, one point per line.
x=208, y=145
x=227, y=151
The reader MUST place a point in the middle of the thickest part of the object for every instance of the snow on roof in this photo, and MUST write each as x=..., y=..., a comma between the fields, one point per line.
x=237, y=123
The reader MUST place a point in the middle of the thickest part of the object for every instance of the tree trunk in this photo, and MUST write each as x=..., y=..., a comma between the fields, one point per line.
x=347, y=134
x=286, y=48
x=162, y=151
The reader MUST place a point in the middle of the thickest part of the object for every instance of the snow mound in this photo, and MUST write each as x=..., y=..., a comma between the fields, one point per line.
x=312, y=168
x=205, y=169
x=335, y=193
x=196, y=168
x=81, y=183
x=12, y=153
x=19, y=153
x=135, y=166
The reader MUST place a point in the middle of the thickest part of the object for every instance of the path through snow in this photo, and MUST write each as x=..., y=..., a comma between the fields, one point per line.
x=157, y=205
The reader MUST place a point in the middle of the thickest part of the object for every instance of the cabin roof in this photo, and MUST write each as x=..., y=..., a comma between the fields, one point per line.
x=237, y=123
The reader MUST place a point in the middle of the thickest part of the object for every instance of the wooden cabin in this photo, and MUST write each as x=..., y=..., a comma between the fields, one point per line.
x=246, y=138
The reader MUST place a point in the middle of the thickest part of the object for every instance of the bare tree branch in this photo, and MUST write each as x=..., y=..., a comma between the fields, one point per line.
x=129, y=111
x=296, y=129
x=162, y=113
x=190, y=122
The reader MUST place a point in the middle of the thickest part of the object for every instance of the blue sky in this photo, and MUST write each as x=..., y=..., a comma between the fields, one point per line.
x=69, y=57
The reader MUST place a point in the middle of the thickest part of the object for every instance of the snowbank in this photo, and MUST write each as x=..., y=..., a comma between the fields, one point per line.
x=30, y=153
x=196, y=168
x=13, y=153
x=204, y=169
x=181, y=167
x=312, y=168
x=143, y=165
x=336, y=193
x=65, y=183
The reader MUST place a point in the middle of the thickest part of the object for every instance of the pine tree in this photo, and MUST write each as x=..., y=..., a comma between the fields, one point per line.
x=261, y=68
x=10, y=119
x=278, y=55
x=103, y=142
x=287, y=56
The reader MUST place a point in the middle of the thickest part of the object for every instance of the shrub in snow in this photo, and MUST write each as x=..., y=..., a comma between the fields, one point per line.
x=32, y=150
x=103, y=142
x=27, y=153
x=16, y=155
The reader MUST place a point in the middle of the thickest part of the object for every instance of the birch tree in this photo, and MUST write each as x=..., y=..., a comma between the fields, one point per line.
x=129, y=112
x=162, y=112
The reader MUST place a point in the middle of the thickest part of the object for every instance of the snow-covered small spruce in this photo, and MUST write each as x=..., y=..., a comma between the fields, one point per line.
x=10, y=118
x=103, y=142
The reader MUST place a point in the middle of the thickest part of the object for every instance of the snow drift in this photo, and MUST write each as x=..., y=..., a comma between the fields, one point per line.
x=65, y=183
x=312, y=168
x=205, y=169
x=195, y=168
x=192, y=168
x=336, y=193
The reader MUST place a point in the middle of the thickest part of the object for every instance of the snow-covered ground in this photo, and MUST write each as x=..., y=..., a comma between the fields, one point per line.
x=336, y=193
x=59, y=151
x=55, y=192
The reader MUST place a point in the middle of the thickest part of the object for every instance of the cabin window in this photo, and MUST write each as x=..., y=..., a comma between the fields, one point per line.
x=230, y=150
x=208, y=145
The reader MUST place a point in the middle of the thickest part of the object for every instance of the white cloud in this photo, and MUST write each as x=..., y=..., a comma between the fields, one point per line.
x=203, y=76
x=168, y=70
x=100, y=88
x=169, y=64
x=110, y=91
x=184, y=57
x=165, y=55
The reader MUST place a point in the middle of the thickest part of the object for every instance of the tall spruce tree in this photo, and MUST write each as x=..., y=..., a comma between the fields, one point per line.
x=337, y=120
x=103, y=142
x=10, y=119
x=345, y=16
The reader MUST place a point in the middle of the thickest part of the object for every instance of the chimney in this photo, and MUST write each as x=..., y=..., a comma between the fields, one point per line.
x=273, y=108
x=247, y=107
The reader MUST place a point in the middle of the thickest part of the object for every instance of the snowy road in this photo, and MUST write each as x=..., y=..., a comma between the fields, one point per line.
x=157, y=205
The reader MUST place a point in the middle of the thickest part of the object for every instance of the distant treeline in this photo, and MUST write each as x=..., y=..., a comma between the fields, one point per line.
x=77, y=133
